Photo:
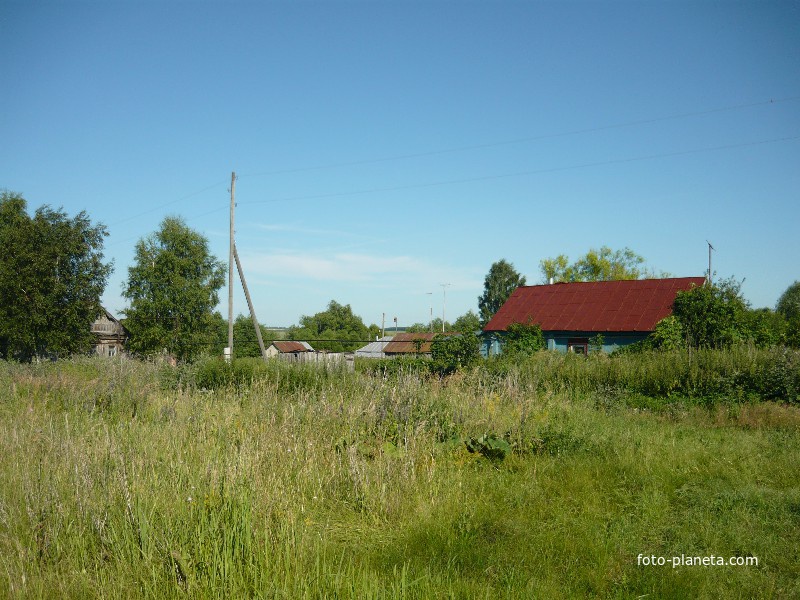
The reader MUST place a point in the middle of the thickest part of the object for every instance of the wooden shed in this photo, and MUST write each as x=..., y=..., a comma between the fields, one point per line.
x=409, y=343
x=289, y=347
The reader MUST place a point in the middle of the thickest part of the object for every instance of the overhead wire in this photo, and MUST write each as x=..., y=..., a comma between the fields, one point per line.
x=522, y=173
x=466, y=148
x=525, y=139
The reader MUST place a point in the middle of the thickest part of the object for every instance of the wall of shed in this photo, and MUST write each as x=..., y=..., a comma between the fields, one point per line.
x=491, y=344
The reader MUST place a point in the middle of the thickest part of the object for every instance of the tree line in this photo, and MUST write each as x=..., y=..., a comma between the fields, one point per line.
x=53, y=273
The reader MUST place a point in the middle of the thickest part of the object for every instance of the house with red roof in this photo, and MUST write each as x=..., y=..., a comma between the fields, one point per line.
x=570, y=314
x=288, y=347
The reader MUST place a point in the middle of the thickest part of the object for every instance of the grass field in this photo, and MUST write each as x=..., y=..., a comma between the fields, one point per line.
x=121, y=479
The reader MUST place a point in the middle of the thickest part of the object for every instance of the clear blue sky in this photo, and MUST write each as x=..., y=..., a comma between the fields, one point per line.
x=385, y=148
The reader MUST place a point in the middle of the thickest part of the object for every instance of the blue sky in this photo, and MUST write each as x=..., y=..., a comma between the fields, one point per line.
x=385, y=148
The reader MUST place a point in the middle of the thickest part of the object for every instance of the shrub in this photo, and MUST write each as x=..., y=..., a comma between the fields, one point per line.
x=452, y=352
x=523, y=339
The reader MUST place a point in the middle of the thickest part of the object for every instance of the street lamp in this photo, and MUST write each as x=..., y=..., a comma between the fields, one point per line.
x=444, y=301
x=430, y=321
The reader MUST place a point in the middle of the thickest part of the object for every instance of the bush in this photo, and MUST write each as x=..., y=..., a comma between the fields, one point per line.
x=740, y=372
x=523, y=339
x=450, y=353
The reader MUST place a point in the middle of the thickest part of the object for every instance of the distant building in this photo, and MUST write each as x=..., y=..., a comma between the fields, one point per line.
x=288, y=347
x=570, y=314
x=409, y=343
x=374, y=349
x=110, y=335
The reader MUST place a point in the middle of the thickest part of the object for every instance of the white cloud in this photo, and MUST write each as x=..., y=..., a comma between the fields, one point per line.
x=364, y=269
x=298, y=229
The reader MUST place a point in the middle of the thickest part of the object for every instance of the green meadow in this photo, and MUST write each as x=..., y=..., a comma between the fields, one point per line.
x=549, y=477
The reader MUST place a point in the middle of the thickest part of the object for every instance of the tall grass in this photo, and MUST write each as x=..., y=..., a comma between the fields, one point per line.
x=709, y=376
x=120, y=480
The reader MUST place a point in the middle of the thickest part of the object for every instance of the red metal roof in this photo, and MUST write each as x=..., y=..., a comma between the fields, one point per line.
x=286, y=347
x=635, y=305
x=403, y=343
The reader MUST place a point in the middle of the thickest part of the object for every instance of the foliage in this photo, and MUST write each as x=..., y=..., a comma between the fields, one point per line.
x=596, y=343
x=338, y=324
x=415, y=365
x=704, y=376
x=361, y=487
x=713, y=316
x=435, y=325
x=766, y=328
x=245, y=342
x=52, y=275
x=597, y=265
x=669, y=334
x=450, y=353
x=490, y=446
x=789, y=302
x=469, y=322
x=173, y=288
x=498, y=285
x=793, y=333
x=522, y=339
x=216, y=373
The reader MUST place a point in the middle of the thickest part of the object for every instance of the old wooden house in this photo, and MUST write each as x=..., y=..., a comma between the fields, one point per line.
x=110, y=335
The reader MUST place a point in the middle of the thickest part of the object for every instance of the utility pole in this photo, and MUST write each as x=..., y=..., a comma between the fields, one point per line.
x=430, y=321
x=383, y=324
x=444, y=301
x=250, y=305
x=710, y=248
x=229, y=355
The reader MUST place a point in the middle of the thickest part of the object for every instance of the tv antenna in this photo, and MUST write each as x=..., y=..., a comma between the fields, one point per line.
x=710, y=248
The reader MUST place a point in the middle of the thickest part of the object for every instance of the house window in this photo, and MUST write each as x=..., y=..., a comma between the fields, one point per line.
x=578, y=345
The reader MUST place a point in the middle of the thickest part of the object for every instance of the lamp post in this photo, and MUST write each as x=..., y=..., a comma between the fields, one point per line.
x=430, y=321
x=444, y=302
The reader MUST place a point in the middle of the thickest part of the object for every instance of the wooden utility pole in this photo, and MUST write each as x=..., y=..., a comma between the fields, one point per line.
x=250, y=305
x=230, y=273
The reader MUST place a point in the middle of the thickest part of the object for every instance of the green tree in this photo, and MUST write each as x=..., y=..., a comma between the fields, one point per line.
x=52, y=275
x=597, y=265
x=338, y=324
x=713, y=316
x=173, y=288
x=469, y=322
x=668, y=334
x=498, y=285
x=789, y=302
x=450, y=353
x=766, y=327
x=245, y=342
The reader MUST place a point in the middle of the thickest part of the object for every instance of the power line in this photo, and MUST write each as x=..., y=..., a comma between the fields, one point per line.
x=453, y=150
x=188, y=219
x=524, y=173
x=526, y=139
x=160, y=206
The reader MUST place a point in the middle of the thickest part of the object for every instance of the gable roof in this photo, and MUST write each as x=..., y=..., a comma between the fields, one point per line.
x=635, y=305
x=403, y=343
x=376, y=348
x=286, y=347
x=108, y=324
